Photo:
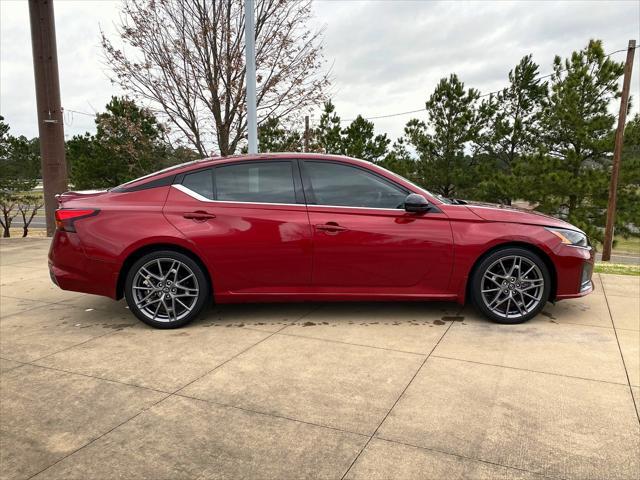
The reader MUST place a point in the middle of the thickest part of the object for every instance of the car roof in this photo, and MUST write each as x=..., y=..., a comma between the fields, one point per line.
x=211, y=161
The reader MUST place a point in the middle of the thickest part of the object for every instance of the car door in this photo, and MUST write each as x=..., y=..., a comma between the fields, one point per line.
x=250, y=222
x=364, y=240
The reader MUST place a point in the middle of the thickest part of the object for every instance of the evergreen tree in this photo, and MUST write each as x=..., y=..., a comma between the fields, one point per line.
x=357, y=140
x=511, y=134
x=129, y=142
x=19, y=161
x=453, y=122
x=628, y=202
x=328, y=135
x=570, y=176
x=360, y=141
x=19, y=172
x=273, y=137
x=400, y=161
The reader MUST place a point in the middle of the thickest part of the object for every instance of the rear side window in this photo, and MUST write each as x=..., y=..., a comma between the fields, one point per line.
x=264, y=182
x=200, y=182
x=343, y=185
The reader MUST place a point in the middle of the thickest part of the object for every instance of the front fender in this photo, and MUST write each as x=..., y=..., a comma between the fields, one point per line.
x=473, y=240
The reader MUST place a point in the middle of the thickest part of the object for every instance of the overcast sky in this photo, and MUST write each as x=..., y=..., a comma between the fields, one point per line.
x=387, y=56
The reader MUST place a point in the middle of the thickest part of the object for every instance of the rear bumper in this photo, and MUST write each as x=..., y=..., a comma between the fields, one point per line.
x=71, y=269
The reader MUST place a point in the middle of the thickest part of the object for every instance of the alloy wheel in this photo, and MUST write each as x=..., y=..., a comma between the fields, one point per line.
x=512, y=287
x=165, y=290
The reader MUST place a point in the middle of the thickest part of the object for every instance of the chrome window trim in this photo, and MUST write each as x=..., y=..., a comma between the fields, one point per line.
x=201, y=198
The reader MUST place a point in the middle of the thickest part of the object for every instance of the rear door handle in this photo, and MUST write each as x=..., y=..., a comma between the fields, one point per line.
x=330, y=228
x=198, y=216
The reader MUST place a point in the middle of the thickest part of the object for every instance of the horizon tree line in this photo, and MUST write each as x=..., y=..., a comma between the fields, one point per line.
x=545, y=141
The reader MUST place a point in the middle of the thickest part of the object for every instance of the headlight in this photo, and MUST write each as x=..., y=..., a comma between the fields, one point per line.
x=570, y=237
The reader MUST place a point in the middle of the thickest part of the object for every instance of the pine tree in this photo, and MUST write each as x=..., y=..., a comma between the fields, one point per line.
x=628, y=202
x=129, y=142
x=360, y=141
x=328, y=135
x=273, y=137
x=569, y=177
x=357, y=140
x=453, y=122
x=511, y=134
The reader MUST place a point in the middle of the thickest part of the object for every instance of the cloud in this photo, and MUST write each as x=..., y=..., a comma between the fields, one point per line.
x=387, y=56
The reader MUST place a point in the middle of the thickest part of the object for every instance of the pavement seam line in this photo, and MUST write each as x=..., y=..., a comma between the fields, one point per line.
x=145, y=409
x=422, y=364
x=20, y=364
x=111, y=380
x=459, y=455
x=99, y=437
x=528, y=370
x=624, y=365
x=240, y=353
x=45, y=304
x=76, y=345
x=349, y=343
x=267, y=414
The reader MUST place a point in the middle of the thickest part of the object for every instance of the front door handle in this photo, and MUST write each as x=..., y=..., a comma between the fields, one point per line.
x=198, y=216
x=330, y=228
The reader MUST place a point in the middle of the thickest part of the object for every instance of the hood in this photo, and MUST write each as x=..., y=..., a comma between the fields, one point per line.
x=503, y=213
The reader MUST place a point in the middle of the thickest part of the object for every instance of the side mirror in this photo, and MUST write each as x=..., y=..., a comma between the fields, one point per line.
x=415, y=203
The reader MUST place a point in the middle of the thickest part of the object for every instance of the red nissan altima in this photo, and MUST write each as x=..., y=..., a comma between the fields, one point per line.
x=301, y=227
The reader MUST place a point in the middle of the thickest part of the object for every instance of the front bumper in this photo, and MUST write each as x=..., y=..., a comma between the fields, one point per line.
x=574, y=268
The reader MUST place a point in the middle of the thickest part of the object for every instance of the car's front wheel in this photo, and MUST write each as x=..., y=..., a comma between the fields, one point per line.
x=511, y=285
x=166, y=289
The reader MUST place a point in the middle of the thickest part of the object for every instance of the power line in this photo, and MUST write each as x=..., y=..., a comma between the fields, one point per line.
x=398, y=114
x=80, y=113
x=376, y=117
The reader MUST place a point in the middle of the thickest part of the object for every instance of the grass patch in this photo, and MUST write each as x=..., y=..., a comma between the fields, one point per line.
x=623, y=246
x=628, y=245
x=617, y=268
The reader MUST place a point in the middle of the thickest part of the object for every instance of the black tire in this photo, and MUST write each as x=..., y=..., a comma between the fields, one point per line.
x=506, y=254
x=199, y=281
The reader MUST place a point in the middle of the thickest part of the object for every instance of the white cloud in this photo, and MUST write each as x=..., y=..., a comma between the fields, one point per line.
x=387, y=56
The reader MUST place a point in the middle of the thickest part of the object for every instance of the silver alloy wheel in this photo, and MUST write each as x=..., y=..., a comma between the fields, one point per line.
x=165, y=290
x=512, y=286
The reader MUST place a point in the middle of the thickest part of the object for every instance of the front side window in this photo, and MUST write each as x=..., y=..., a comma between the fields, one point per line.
x=343, y=185
x=263, y=182
x=200, y=182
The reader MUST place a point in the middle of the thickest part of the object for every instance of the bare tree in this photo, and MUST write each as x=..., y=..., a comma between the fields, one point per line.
x=8, y=212
x=28, y=208
x=186, y=59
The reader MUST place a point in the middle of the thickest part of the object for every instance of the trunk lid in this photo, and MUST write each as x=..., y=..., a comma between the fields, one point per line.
x=78, y=195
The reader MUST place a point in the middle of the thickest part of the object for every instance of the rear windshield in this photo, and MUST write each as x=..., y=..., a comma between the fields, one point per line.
x=164, y=170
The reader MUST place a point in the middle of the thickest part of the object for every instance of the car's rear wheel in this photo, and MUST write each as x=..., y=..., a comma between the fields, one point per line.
x=166, y=289
x=511, y=285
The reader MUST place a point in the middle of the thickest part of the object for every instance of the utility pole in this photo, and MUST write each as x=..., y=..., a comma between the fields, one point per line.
x=50, y=126
x=617, y=153
x=252, y=117
x=306, y=133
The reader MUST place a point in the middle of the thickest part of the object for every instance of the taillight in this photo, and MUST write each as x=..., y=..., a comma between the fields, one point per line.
x=66, y=217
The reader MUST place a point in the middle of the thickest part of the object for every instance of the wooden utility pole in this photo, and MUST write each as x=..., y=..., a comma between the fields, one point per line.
x=617, y=153
x=306, y=133
x=50, y=125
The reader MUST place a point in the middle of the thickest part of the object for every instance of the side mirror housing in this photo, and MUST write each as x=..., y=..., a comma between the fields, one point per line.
x=415, y=203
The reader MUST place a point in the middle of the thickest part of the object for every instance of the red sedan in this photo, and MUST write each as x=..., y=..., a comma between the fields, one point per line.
x=306, y=227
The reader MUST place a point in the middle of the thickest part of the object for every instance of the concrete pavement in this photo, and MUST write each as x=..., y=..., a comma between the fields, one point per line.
x=290, y=391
